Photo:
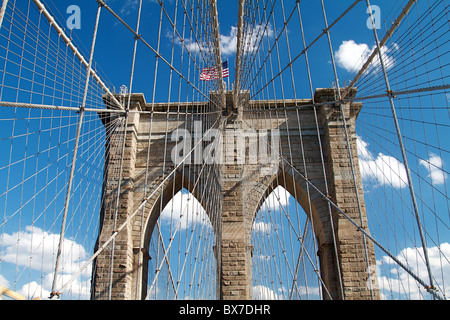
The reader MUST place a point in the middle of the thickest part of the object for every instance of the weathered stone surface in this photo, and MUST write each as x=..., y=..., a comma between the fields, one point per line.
x=317, y=150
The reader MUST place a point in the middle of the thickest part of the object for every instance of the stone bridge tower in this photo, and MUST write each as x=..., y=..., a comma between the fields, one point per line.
x=233, y=182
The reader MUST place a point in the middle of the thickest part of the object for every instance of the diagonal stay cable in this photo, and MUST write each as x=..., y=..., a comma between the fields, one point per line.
x=164, y=259
x=300, y=254
x=74, y=49
x=158, y=55
x=405, y=159
x=74, y=158
x=138, y=209
x=300, y=239
x=303, y=249
x=172, y=237
x=368, y=235
x=381, y=44
x=324, y=31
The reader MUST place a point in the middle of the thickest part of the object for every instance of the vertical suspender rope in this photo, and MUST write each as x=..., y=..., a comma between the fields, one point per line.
x=68, y=41
x=402, y=147
x=362, y=230
x=167, y=252
x=151, y=125
x=383, y=41
x=301, y=143
x=136, y=38
x=320, y=148
x=125, y=128
x=74, y=158
x=350, y=153
x=131, y=216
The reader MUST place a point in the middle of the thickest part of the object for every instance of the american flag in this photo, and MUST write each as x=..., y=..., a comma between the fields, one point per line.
x=212, y=73
x=225, y=70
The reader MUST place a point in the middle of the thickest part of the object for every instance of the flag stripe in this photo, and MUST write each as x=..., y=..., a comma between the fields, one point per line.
x=208, y=74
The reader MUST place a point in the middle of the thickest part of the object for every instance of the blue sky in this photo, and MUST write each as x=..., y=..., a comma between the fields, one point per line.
x=114, y=50
x=425, y=127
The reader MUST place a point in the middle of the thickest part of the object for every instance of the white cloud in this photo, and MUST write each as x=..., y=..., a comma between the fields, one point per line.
x=279, y=197
x=78, y=289
x=434, y=165
x=4, y=282
x=261, y=292
x=252, y=38
x=191, y=46
x=398, y=281
x=228, y=43
x=384, y=169
x=305, y=292
x=262, y=227
x=185, y=209
x=262, y=257
x=351, y=56
x=264, y=293
x=36, y=249
x=34, y=290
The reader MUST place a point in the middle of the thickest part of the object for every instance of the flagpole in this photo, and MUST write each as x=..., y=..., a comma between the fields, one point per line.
x=228, y=86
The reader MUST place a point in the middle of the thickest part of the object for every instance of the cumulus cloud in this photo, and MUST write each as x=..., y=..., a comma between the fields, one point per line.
x=228, y=42
x=261, y=292
x=264, y=293
x=252, y=38
x=311, y=292
x=398, y=281
x=78, y=289
x=351, y=56
x=4, y=282
x=34, y=290
x=191, y=46
x=184, y=209
x=434, y=165
x=278, y=198
x=262, y=227
x=383, y=169
x=36, y=249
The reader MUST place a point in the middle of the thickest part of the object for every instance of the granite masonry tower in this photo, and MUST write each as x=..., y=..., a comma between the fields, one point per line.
x=238, y=191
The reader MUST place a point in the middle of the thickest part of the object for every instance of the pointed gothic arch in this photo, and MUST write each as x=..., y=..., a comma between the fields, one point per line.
x=154, y=211
x=238, y=192
x=183, y=235
x=309, y=206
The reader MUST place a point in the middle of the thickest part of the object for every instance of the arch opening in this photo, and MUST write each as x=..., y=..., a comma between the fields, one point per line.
x=180, y=245
x=284, y=261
